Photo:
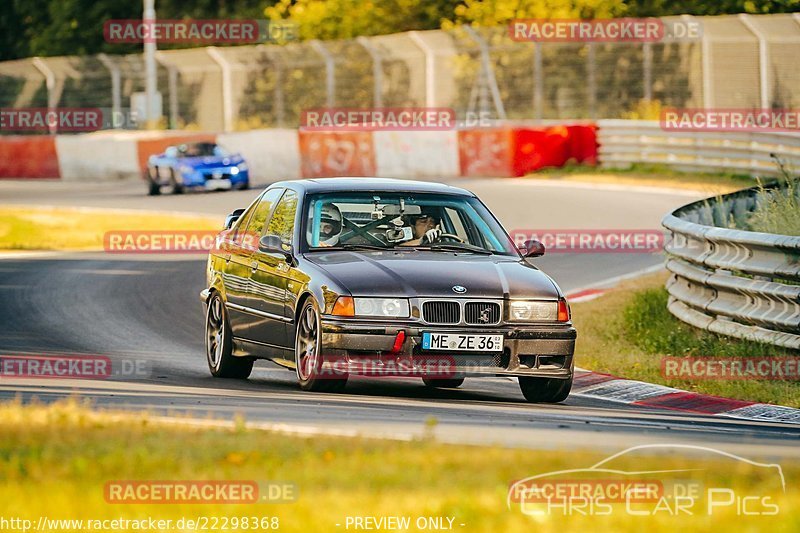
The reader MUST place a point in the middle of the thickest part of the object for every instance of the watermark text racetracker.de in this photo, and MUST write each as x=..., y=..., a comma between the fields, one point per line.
x=730, y=119
x=65, y=119
x=784, y=368
x=199, y=491
x=199, y=31
x=592, y=241
x=566, y=30
x=163, y=241
x=391, y=119
x=72, y=367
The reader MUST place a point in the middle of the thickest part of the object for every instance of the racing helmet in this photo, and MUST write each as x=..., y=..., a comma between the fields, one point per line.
x=330, y=214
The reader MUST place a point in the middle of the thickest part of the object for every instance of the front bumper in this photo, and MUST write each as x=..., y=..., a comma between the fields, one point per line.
x=210, y=179
x=528, y=350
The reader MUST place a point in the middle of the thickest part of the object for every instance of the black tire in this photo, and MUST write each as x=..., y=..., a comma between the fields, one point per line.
x=219, y=344
x=177, y=188
x=453, y=383
x=244, y=186
x=307, y=351
x=154, y=188
x=545, y=390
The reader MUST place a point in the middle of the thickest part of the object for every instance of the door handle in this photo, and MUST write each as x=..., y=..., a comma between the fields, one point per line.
x=254, y=266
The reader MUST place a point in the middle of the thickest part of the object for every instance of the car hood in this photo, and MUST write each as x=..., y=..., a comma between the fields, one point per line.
x=210, y=161
x=433, y=274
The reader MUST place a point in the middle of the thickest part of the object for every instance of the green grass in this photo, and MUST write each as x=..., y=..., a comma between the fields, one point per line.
x=780, y=214
x=650, y=174
x=628, y=331
x=57, y=228
x=56, y=460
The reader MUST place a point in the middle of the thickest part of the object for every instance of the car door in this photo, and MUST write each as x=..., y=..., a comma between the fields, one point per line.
x=236, y=275
x=270, y=277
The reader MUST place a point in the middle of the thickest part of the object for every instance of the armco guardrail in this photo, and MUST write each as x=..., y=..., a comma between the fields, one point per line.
x=738, y=283
x=624, y=142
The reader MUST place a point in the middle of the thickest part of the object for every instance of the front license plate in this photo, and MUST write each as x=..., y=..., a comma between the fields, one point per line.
x=462, y=342
x=213, y=185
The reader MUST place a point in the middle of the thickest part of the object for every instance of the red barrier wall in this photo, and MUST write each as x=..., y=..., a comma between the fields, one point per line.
x=328, y=154
x=519, y=151
x=28, y=156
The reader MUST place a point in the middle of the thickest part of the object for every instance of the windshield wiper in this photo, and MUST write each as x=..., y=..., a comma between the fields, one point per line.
x=360, y=247
x=447, y=247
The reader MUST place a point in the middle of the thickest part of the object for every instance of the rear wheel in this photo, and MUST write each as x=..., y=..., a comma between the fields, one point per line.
x=308, y=354
x=219, y=344
x=545, y=390
x=443, y=383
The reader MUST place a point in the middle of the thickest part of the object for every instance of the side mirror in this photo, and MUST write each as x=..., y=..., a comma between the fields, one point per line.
x=532, y=248
x=272, y=244
x=231, y=219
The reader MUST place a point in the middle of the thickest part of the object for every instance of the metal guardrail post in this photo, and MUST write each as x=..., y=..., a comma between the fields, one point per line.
x=116, y=96
x=538, y=82
x=488, y=72
x=172, y=86
x=705, y=52
x=274, y=54
x=330, y=73
x=377, y=70
x=430, y=68
x=227, y=91
x=647, y=67
x=591, y=79
x=50, y=84
x=763, y=60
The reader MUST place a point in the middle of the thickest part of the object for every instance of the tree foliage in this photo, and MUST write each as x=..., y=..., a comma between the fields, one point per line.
x=75, y=27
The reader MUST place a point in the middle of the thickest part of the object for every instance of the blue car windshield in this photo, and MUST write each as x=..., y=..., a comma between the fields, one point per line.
x=410, y=221
x=202, y=150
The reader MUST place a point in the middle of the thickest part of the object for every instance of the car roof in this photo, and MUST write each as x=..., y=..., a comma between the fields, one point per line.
x=319, y=185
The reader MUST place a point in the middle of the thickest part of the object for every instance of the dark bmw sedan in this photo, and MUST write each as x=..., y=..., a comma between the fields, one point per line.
x=388, y=278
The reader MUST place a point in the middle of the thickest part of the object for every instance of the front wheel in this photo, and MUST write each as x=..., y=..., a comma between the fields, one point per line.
x=152, y=180
x=308, y=354
x=219, y=344
x=175, y=183
x=545, y=390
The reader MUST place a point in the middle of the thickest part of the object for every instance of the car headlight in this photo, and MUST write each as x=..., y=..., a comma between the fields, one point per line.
x=533, y=311
x=234, y=171
x=382, y=307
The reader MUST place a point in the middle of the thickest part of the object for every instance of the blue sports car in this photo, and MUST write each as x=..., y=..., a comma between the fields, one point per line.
x=203, y=165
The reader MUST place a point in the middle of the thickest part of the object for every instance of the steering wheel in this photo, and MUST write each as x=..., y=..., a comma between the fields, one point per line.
x=450, y=236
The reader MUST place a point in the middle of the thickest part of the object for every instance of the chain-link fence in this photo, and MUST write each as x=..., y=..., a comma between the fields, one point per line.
x=740, y=62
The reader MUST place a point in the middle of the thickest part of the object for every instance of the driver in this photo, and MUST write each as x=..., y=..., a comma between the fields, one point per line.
x=330, y=225
x=425, y=227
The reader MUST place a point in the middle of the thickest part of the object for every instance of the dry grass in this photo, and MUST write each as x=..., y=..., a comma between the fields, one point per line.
x=55, y=461
x=56, y=228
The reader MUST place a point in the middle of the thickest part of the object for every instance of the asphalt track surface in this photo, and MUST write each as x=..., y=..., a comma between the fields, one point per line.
x=146, y=309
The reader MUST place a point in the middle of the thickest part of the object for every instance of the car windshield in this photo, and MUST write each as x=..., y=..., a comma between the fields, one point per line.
x=202, y=150
x=403, y=221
